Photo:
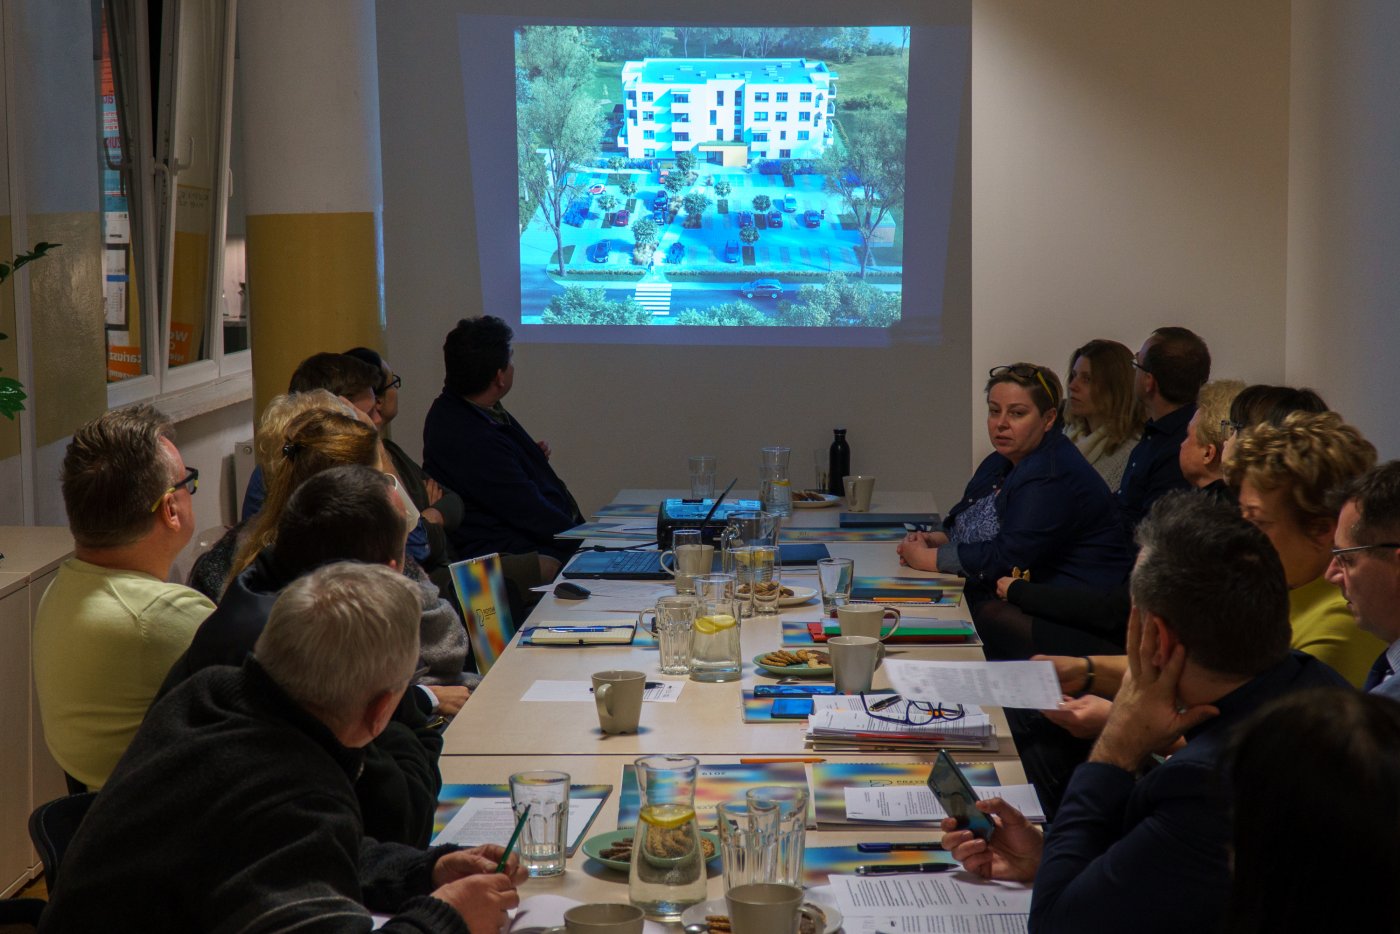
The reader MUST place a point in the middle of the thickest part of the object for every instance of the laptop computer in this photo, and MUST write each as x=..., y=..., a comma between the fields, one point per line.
x=646, y=565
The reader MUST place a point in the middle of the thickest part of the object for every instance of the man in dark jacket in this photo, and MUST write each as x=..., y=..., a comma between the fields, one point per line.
x=234, y=808
x=1207, y=646
x=341, y=514
x=515, y=502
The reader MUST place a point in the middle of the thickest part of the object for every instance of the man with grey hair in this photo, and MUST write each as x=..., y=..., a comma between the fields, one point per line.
x=238, y=792
x=110, y=625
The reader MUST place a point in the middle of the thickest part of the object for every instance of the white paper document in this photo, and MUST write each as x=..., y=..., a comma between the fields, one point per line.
x=952, y=902
x=912, y=803
x=1030, y=685
x=491, y=820
x=663, y=692
x=839, y=713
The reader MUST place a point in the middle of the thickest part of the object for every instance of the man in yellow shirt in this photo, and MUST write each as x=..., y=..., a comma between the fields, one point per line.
x=109, y=626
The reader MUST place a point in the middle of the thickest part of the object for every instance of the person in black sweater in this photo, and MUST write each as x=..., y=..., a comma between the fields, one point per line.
x=235, y=809
x=341, y=514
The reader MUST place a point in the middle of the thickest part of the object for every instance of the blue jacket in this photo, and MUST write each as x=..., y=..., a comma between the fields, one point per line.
x=1152, y=854
x=1057, y=519
x=514, y=501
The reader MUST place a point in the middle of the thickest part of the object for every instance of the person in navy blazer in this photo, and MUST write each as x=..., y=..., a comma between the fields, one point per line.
x=514, y=501
x=1366, y=566
x=1034, y=505
x=1141, y=848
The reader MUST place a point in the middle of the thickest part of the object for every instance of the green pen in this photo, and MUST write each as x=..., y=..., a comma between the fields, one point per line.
x=519, y=826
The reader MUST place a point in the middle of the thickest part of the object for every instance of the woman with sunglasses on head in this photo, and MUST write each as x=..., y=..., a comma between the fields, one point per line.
x=1033, y=507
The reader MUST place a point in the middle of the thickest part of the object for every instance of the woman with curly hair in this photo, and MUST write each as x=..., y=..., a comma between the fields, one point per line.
x=1283, y=475
x=1103, y=417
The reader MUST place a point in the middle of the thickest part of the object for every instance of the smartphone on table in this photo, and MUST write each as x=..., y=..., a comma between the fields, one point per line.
x=791, y=708
x=952, y=789
x=792, y=690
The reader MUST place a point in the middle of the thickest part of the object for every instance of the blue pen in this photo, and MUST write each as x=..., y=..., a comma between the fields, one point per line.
x=895, y=847
x=581, y=628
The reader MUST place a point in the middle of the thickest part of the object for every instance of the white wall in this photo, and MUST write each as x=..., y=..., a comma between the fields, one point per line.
x=628, y=416
x=1343, y=326
x=1130, y=170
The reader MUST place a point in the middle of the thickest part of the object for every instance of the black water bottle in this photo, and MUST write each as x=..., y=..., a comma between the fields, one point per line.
x=839, y=464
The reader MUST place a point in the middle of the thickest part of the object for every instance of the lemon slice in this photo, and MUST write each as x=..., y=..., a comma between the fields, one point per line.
x=667, y=816
x=709, y=625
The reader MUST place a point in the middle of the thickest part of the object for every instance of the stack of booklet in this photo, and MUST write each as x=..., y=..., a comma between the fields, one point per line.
x=841, y=724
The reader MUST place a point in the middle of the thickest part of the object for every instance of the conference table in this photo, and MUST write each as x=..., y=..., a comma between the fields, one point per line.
x=498, y=733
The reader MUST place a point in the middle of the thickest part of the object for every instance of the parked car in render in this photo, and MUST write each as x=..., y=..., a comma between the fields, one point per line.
x=598, y=252
x=731, y=251
x=746, y=218
x=775, y=218
x=762, y=288
x=621, y=218
x=676, y=253
x=790, y=203
x=812, y=219
x=660, y=200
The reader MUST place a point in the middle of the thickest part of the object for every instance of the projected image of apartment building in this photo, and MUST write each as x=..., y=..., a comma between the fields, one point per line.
x=729, y=111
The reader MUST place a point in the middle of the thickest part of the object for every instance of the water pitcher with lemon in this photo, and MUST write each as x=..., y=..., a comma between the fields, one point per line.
x=714, y=645
x=668, y=863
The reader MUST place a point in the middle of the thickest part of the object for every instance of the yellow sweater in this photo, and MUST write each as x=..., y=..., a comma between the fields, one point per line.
x=103, y=643
x=1325, y=629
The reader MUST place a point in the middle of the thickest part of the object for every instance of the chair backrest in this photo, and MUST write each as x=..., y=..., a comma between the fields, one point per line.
x=52, y=826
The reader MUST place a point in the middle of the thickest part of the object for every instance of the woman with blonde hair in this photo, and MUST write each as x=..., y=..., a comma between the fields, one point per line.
x=1103, y=417
x=1284, y=475
x=214, y=569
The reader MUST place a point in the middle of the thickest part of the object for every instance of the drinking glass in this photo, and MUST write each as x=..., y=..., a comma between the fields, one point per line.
x=702, y=476
x=790, y=828
x=689, y=556
x=673, y=621
x=759, y=579
x=747, y=842
x=774, y=480
x=544, y=838
x=836, y=576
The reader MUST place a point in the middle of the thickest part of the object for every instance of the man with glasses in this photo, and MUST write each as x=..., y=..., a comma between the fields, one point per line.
x=1366, y=566
x=1172, y=366
x=109, y=625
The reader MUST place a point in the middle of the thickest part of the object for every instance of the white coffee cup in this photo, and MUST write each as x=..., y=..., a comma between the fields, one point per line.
x=853, y=662
x=866, y=619
x=859, y=491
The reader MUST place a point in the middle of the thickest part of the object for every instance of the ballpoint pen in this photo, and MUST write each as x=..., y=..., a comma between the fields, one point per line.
x=891, y=869
x=887, y=702
x=581, y=628
x=519, y=826
x=895, y=847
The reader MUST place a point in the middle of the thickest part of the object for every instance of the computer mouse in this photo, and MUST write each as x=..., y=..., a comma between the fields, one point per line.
x=568, y=590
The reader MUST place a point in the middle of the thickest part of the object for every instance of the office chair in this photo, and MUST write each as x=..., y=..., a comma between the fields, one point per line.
x=52, y=826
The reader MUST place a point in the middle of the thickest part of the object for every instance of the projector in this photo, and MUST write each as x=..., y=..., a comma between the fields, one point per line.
x=690, y=514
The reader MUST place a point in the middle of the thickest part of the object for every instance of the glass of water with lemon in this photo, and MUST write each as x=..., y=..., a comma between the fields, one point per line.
x=714, y=647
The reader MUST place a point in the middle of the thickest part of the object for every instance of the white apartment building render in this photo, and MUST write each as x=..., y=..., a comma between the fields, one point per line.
x=730, y=111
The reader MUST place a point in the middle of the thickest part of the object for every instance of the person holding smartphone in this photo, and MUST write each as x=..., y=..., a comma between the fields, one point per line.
x=1207, y=646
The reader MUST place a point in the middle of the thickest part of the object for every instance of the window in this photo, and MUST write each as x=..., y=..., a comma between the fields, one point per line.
x=719, y=135
x=648, y=134
x=680, y=118
x=680, y=97
x=738, y=96
x=805, y=97
x=780, y=116
x=803, y=116
x=648, y=153
x=683, y=137
x=647, y=96
x=632, y=96
x=784, y=153
x=174, y=303
x=782, y=97
x=648, y=115
x=760, y=154
x=714, y=117
x=632, y=115
x=782, y=134
x=738, y=118
x=719, y=97
x=760, y=116
x=760, y=97
x=760, y=137
x=804, y=135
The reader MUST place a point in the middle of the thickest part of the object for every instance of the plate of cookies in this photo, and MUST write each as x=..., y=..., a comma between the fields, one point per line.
x=813, y=499
x=795, y=663
x=816, y=917
x=614, y=849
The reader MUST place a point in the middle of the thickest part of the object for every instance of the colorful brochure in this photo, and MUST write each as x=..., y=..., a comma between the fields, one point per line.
x=481, y=592
x=831, y=779
x=716, y=782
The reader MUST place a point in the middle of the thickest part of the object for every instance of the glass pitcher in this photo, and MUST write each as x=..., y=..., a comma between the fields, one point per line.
x=747, y=528
x=668, y=862
x=714, y=640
